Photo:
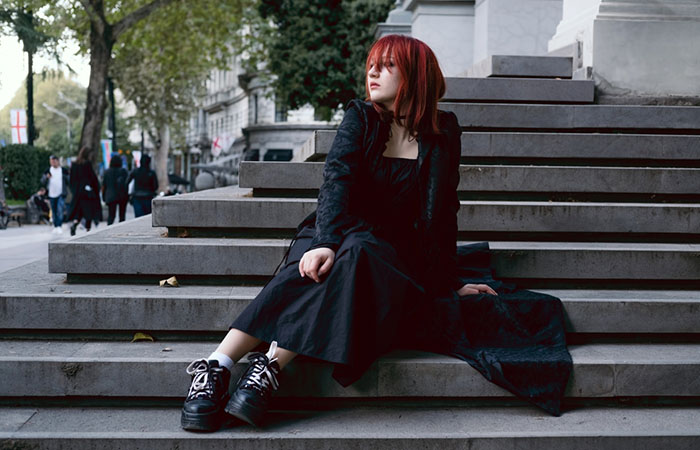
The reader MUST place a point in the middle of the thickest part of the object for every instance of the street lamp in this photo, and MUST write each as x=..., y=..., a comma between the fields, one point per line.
x=65, y=116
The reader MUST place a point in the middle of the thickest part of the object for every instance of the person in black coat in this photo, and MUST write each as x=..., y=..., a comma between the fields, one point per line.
x=377, y=266
x=85, y=188
x=114, y=189
x=145, y=187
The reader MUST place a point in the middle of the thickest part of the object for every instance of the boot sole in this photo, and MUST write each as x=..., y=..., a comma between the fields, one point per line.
x=201, y=422
x=244, y=412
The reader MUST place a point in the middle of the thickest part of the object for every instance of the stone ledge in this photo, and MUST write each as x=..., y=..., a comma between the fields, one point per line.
x=520, y=90
x=474, y=216
x=522, y=66
x=537, y=146
x=35, y=300
x=135, y=249
x=423, y=426
x=492, y=178
x=55, y=368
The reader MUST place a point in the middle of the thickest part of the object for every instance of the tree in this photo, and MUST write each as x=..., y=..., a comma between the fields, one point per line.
x=99, y=24
x=176, y=51
x=19, y=19
x=316, y=53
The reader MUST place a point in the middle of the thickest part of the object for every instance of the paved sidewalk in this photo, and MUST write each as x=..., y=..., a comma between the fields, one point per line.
x=22, y=245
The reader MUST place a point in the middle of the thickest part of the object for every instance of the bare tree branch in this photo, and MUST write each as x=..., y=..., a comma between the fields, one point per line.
x=135, y=16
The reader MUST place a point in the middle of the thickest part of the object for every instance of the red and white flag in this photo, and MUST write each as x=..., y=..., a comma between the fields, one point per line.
x=18, y=126
x=221, y=144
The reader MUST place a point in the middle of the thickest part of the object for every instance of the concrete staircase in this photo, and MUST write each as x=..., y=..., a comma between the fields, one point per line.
x=598, y=205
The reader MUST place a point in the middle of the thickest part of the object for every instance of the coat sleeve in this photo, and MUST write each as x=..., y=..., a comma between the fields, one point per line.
x=442, y=253
x=339, y=178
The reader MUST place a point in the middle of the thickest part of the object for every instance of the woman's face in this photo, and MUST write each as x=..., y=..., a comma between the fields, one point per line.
x=383, y=82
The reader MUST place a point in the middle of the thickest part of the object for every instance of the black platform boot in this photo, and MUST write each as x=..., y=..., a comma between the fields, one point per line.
x=204, y=405
x=250, y=400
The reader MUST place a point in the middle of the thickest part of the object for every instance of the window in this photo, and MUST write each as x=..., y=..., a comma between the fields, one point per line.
x=280, y=112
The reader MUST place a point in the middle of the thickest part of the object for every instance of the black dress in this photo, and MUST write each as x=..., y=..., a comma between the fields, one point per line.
x=370, y=303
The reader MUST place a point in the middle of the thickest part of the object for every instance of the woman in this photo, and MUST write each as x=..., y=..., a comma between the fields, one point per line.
x=377, y=266
x=85, y=187
x=145, y=187
x=114, y=189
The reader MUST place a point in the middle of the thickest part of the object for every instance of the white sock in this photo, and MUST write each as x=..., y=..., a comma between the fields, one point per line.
x=224, y=361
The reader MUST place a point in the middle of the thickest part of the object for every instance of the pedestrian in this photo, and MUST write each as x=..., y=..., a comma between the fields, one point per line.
x=114, y=189
x=377, y=266
x=85, y=188
x=56, y=181
x=145, y=187
x=38, y=207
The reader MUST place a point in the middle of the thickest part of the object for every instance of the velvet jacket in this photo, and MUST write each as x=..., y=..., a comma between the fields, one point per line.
x=360, y=141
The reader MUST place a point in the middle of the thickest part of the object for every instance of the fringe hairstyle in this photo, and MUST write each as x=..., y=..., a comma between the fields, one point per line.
x=422, y=83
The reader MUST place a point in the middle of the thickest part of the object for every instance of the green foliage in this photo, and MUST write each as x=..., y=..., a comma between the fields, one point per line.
x=317, y=52
x=161, y=64
x=22, y=167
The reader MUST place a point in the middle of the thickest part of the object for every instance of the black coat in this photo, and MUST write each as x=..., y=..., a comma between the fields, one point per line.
x=357, y=148
x=114, y=185
x=86, y=202
x=145, y=182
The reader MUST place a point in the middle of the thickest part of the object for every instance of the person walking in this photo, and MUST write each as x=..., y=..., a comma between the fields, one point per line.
x=377, y=267
x=145, y=187
x=85, y=188
x=114, y=189
x=56, y=181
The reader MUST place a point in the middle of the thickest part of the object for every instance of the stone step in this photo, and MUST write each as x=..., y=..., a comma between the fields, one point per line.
x=217, y=211
x=504, y=90
x=134, y=249
x=482, y=178
x=581, y=118
x=514, y=66
x=157, y=369
x=654, y=149
x=34, y=301
x=406, y=426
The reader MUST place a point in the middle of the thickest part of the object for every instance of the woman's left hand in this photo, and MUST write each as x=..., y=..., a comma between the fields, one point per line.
x=470, y=289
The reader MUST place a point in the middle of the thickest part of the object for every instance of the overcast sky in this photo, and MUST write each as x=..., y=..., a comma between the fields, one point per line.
x=13, y=67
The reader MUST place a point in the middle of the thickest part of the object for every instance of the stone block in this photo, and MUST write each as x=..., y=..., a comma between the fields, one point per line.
x=518, y=90
x=32, y=299
x=535, y=146
x=135, y=249
x=513, y=66
x=480, y=178
x=424, y=426
x=601, y=118
x=56, y=369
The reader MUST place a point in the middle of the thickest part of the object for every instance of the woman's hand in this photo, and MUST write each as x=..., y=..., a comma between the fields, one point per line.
x=317, y=262
x=469, y=289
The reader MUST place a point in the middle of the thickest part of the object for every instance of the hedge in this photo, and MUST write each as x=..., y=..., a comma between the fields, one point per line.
x=22, y=167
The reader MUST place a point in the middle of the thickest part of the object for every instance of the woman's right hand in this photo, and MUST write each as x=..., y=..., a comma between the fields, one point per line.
x=316, y=263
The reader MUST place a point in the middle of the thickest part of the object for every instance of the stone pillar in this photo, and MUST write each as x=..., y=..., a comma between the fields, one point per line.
x=576, y=27
x=514, y=27
x=448, y=28
x=637, y=48
x=397, y=22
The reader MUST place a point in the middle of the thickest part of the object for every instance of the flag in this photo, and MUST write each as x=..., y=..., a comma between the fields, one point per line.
x=136, y=154
x=106, y=152
x=221, y=144
x=18, y=126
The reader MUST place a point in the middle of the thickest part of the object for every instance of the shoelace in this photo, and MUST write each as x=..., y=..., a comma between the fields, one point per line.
x=201, y=384
x=262, y=374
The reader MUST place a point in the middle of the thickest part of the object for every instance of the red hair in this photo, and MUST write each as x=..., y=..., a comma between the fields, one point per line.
x=422, y=83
